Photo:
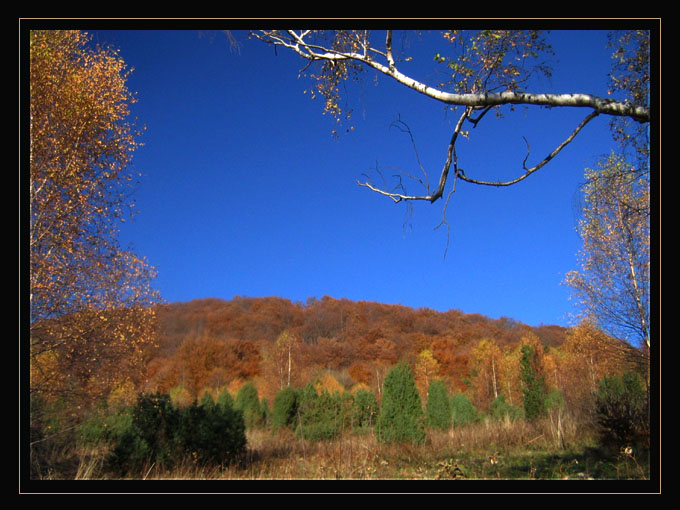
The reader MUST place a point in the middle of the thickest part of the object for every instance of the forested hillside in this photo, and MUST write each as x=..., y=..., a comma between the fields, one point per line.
x=210, y=344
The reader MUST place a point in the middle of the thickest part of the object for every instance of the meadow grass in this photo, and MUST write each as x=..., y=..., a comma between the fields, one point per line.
x=483, y=451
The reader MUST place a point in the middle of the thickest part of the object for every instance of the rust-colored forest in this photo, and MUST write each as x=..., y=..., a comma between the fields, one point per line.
x=209, y=344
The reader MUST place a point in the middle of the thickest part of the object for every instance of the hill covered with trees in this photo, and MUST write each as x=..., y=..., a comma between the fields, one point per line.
x=211, y=344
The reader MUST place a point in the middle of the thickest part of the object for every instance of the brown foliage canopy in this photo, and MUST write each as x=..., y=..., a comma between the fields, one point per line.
x=355, y=338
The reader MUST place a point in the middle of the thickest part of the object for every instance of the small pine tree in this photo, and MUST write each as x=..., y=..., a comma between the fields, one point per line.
x=265, y=412
x=463, y=411
x=211, y=434
x=162, y=434
x=248, y=402
x=319, y=415
x=285, y=408
x=207, y=400
x=401, y=415
x=224, y=399
x=151, y=436
x=533, y=385
x=438, y=408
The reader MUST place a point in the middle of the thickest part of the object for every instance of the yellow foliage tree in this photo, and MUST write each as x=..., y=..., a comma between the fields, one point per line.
x=329, y=384
x=89, y=300
x=485, y=363
x=426, y=368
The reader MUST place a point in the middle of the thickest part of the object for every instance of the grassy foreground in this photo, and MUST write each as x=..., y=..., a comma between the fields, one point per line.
x=484, y=451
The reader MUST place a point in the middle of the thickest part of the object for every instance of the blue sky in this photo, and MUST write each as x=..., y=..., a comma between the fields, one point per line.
x=245, y=191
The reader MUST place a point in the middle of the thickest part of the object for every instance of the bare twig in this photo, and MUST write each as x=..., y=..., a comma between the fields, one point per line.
x=529, y=171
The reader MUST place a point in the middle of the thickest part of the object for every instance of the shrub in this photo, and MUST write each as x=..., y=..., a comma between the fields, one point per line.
x=51, y=434
x=163, y=434
x=622, y=411
x=499, y=410
x=105, y=424
x=463, y=411
x=248, y=402
x=438, y=407
x=364, y=410
x=211, y=434
x=285, y=408
x=401, y=414
x=533, y=385
x=224, y=399
x=320, y=416
x=150, y=438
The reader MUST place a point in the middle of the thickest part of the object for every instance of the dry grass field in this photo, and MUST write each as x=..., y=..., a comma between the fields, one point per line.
x=483, y=451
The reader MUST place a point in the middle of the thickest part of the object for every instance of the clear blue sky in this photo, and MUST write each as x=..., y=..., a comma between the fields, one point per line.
x=245, y=191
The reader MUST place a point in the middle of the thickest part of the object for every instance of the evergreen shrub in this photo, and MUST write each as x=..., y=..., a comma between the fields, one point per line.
x=161, y=434
x=364, y=410
x=438, y=406
x=533, y=385
x=499, y=410
x=320, y=416
x=248, y=402
x=622, y=411
x=401, y=417
x=284, y=413
x=463, y=411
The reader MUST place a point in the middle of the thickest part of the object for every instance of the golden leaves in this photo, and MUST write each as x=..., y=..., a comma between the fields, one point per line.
x=492, y=60
x=87, y=296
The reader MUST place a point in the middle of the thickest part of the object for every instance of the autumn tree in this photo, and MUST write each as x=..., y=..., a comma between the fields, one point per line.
x=613, y=285
x=487, y=70
x=90, y=316
x=425, y=370
x=283, y=355
x=630, y=78
x=485, y=372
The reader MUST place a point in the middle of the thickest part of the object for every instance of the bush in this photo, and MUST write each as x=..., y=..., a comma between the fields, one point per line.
x=285, y=408
x=401, y=414
x=364, y=410
x=438, y=407
x=533, y=385
x=105, y=424
x=248, y=402
x=163, y=434
x=622, y=411
x=211, y=434
x=320, y=416
x=463, y=411
x=224, y=399
x=150, y=438
x=52, y=436
x=500, y=410
x=265, y=412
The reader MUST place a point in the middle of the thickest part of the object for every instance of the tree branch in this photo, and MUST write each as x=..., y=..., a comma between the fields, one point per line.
x=297, y=43
x=540, y=165
x=343, y=50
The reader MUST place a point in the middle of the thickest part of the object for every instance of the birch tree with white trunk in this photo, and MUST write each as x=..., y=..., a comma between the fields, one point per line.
x=488, y=69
